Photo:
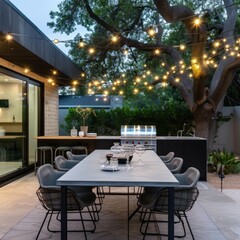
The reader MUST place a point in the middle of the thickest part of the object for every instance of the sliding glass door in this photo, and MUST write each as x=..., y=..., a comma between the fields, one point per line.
x=19, y=122
x=33, y=123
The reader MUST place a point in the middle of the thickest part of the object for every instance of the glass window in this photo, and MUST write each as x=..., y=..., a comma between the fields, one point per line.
x=33, y=96
x=19, y=122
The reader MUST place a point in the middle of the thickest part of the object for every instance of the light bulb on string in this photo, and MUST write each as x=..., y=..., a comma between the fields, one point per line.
x=197, y=21
x=164, y=84
x=81, y=43
x=157, y=51
x=114, y=38
x=56, y=41
x=9, y=37
x=91, y=50
x=151, y=31
x=135, y=91
x=182, y=47
x=125, y=51
x=216, y=44
x=75, y=83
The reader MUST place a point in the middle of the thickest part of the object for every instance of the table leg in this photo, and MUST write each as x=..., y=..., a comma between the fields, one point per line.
x=171, y=213
x=128, y=220
x=64, y=213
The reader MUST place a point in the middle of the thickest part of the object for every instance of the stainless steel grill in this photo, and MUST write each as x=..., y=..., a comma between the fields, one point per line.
x=139, y=134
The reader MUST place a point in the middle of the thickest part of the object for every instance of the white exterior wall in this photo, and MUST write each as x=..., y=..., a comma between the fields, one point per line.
x=228, y=135
x=51, y=111
x=236, y=126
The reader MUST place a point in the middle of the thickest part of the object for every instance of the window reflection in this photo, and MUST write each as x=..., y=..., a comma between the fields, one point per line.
x=12, y=137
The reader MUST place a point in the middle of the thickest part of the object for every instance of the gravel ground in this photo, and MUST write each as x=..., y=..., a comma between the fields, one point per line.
x=230, y=181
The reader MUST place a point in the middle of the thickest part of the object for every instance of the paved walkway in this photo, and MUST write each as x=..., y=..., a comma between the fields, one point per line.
x=216, y=215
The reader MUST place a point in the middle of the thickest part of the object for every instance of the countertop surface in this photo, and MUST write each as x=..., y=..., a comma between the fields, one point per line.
x=116, y=137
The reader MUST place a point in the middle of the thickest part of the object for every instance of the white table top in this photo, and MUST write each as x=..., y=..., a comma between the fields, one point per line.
x=88, y=172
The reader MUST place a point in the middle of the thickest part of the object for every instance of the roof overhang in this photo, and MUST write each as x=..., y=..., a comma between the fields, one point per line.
x=31, y=49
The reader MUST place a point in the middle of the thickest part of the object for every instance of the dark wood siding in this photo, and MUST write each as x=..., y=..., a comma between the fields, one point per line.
x=31, y=47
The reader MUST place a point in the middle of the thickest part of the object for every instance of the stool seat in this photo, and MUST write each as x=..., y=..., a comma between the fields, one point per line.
x=61, y=150
x=81, y=149
x=40, y=156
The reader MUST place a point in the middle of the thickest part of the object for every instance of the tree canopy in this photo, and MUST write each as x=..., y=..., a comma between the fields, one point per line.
x=192, y=46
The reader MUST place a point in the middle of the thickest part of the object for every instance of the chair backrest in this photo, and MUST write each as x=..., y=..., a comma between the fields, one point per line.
x=49, y=194
x=168, y=157
x=72, y=156
x=185, y=194
x=175, y=165
x=62, y=164
x=47, y=176
x=189, y=178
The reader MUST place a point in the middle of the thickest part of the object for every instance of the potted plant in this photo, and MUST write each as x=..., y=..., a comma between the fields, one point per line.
x=84, y=114
x=223, y=161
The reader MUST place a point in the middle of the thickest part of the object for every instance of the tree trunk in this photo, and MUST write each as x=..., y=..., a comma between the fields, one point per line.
x=203, y=117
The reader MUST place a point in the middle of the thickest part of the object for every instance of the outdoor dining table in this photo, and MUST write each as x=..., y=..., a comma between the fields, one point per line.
x=88, y=172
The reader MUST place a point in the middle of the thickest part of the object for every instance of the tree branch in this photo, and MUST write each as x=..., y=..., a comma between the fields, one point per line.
x=224, y=82
x=198, y=40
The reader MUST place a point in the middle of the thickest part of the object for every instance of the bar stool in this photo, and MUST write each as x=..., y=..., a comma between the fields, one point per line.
x=61, y=150
x=79, y=149
x=40, y=156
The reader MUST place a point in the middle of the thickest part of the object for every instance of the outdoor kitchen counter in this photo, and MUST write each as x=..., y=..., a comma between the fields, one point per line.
x=193, y=150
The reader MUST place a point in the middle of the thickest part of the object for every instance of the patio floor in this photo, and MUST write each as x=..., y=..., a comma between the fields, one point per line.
x=215, y=215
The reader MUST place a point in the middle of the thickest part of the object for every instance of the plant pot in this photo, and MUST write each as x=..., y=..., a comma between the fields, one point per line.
x=84, y=129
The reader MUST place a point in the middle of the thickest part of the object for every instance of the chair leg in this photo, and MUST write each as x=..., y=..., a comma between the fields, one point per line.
x=147, y=223
x=42, y=224
x=83, y=226
x=185, y=215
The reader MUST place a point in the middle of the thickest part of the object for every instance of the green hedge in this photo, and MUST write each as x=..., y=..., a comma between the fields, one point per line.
x=168, y=119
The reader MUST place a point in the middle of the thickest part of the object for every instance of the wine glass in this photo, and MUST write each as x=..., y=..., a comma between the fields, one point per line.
x=116, y=149
x=129, y=150
x=140, y=149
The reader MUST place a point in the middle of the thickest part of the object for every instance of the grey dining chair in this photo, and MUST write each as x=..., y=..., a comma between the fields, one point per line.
x=168, y=157
x=155, y=200
x=175, y=165
x=63, y=164
x=77, y=157
x=49, y=195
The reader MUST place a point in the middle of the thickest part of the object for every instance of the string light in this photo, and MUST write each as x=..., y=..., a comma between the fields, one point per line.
x=197, y=22
x=75, y=83
x=219, y=47
x=151, y=32
x=114, y=38
x=157, y=51
x=182, y=47
x=81, y=43
x=9, y=37
x=125, y=51
x=135, y=91
x=91, y=50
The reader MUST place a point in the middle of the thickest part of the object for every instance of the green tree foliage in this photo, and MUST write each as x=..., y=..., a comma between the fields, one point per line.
x=168, y=116
x=201, y=83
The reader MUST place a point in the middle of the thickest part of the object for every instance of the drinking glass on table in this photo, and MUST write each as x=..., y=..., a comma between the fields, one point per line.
x=128, y=150
x=116, y=149
x=139, y=150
